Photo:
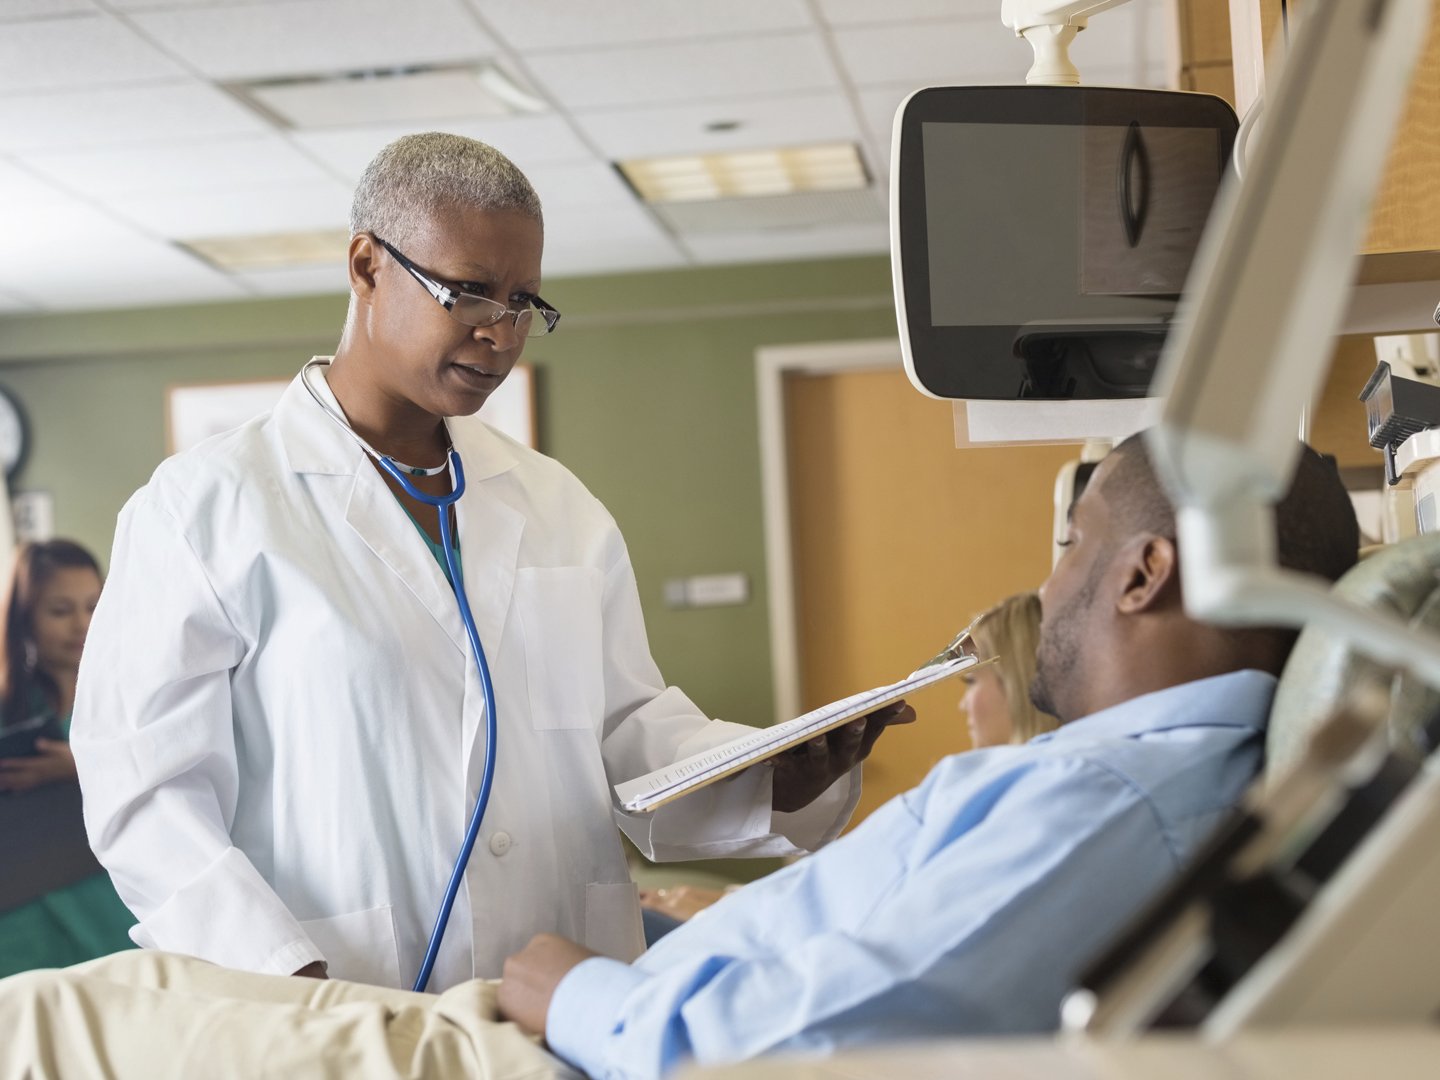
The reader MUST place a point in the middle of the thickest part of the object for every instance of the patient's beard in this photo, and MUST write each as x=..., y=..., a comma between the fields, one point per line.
x=1058, y=660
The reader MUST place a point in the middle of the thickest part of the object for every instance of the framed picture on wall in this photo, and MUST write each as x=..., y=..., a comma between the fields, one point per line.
x=196, y=411
x=512, y=407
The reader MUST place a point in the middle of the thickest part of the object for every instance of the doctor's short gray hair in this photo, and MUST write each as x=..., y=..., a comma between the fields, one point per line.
x=419, y=177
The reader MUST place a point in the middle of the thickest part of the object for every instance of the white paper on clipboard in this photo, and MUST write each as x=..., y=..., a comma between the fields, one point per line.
x=653, y=789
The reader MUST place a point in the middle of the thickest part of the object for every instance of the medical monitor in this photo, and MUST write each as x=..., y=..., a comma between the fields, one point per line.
x=1041, y=235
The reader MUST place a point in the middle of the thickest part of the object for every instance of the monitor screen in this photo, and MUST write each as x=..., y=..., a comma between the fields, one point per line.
x=1044, y=233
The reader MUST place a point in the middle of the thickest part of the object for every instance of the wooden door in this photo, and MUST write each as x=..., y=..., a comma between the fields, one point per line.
x=899, y=540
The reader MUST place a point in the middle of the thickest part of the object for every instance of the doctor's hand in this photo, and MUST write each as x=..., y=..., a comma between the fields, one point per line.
x=804, y=771
x=530, y=977
x=53, y=763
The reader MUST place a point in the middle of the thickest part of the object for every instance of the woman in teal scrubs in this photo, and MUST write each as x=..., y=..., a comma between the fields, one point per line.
x=52, y=593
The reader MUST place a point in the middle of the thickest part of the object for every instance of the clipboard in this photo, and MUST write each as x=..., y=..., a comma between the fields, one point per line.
x=655, y=789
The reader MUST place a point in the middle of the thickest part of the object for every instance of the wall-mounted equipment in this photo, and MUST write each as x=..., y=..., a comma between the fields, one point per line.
x=1041, y=235
x=707, y=590
x=14, y=434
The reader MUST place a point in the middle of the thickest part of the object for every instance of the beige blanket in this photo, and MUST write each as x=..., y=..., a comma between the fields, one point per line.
x=151, y=1016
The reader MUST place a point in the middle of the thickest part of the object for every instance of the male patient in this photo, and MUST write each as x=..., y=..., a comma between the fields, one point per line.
x=965, y=906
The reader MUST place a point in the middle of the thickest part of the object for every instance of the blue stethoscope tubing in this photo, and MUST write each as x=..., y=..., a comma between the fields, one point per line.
x=442, y=504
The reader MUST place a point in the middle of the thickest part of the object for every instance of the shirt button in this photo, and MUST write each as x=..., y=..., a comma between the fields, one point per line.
x=499, y=843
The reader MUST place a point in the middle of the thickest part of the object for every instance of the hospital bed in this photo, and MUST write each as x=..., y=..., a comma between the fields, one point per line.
x=1352, y=989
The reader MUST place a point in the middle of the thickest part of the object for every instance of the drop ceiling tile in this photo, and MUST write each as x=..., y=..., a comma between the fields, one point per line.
x=590, y=239
x=871, y=12
x=921, y=53
x=19, y=186
x=298, y=281
x=879, y=103
x=776, y=244
x=589, y=184
x=565, y=24
x=686, y=71
x=15, y=10
x=527, y=140
x=574, y=225
x=1109, y=41
x=611, y=257
x=167, y=5
x=236, y=212
x=75, y=257
x=1131, y=40
x=15, y=303
x=681, y=129
x=212, y=165
x=316, y=36
x=60, y=228
x=139, y=291
x=91, y=118
x=92, y=50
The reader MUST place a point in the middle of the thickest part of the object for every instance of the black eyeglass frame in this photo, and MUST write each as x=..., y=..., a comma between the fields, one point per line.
x=448, y=297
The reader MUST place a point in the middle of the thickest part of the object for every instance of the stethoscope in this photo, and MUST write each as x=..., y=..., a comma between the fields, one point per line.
x=442, y=504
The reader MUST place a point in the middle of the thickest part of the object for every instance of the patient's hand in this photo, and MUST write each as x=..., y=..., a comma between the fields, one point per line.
x=803, y=772
x=531, y=976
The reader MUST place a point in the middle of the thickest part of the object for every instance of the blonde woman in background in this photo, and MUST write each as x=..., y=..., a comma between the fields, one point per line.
x=997, y=698
x=996, y=701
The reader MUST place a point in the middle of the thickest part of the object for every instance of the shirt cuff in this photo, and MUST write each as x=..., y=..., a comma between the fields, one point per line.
x=585, y=1011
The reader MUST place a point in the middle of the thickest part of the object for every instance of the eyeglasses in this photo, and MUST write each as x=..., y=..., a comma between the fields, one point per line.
x=475, y=310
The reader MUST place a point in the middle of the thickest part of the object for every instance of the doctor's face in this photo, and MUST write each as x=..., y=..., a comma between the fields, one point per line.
x=427, y=358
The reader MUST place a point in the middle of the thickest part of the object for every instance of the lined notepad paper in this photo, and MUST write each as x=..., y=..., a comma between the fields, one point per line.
x=659, y=787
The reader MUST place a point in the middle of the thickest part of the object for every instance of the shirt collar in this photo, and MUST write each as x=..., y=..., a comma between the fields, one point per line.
x=316, y=443
x=1238, y=699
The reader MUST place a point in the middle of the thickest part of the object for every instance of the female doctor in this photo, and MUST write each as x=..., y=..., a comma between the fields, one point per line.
x=280, y=726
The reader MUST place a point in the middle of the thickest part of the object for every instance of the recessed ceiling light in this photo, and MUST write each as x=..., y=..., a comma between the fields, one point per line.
x=741, y=173
x=271, y=251
x=723, y=125
x=389, y=96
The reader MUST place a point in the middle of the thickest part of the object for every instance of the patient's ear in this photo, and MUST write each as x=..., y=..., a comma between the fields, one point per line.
x=1151, y=576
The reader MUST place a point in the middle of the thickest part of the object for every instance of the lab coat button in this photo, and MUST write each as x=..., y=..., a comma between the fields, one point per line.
x=499, y=843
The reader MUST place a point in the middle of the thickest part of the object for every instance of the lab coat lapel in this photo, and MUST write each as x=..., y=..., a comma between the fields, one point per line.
x=315, y=443
x=490, y=533
x=375, y=513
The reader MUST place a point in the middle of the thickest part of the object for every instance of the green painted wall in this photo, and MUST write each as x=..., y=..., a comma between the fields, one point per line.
x=647, y=394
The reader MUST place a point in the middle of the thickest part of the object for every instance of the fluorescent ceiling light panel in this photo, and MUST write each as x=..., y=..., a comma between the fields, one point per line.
x=271, y=251
x=740, y=174
x=800, y=210
x=400, y=96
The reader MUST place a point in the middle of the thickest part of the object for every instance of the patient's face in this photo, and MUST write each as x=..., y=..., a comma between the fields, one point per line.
x=1068, y=602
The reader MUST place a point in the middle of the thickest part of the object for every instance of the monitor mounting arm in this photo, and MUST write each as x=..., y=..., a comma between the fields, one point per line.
x=1252, y=341
x=1049, y=26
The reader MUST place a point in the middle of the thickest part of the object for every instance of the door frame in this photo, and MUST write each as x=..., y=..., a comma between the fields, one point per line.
x=772, y=362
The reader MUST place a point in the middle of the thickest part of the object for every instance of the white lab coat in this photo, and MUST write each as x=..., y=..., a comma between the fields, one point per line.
x=279, y=727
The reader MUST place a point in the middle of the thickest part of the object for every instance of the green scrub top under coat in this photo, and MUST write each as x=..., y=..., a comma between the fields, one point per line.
x=436, y=549
x=67, y=926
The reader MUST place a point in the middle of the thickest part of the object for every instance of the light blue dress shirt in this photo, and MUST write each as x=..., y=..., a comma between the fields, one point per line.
x=966, y=906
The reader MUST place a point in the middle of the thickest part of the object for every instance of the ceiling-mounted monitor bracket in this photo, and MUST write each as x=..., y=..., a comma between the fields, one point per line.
x=1049, y=26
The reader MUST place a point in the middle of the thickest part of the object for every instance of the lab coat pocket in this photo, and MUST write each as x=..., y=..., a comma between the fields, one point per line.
x=359, y=946
x=613, y=926
x=559, y=609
